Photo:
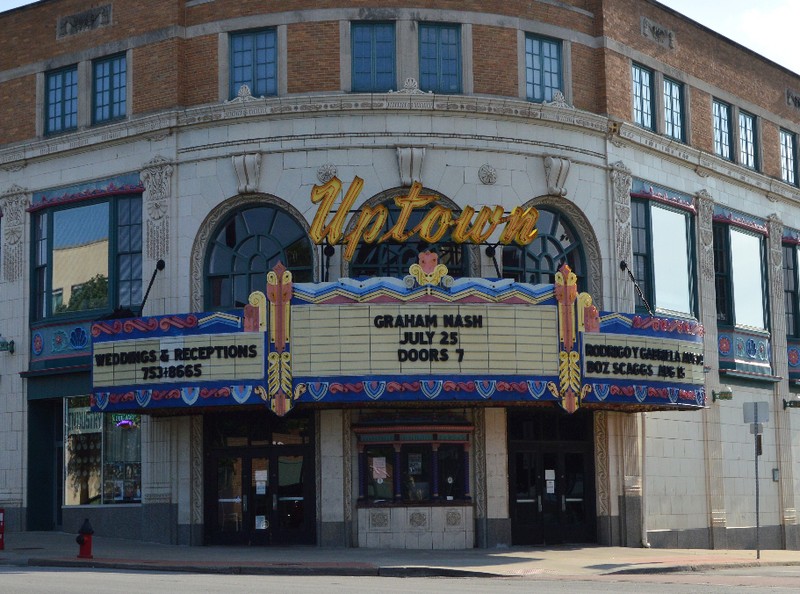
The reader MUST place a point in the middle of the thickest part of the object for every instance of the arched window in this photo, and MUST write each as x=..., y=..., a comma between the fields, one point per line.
x=556, y=244
x=390, y=258
x=248, y=244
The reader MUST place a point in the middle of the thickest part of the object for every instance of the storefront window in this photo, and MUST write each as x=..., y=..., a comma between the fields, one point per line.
x=122, y=459
x=380, y=473
x=103, y=456
x=419, y=464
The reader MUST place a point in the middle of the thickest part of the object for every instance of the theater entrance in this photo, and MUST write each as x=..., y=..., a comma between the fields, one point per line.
x=551, y=478
x=259, y=478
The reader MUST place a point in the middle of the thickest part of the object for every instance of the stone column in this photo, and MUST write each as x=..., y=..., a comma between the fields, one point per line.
x=712, y=436
x=780, y=367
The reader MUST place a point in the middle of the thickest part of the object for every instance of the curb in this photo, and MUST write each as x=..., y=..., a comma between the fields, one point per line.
x=700, y=567
x=294, y=569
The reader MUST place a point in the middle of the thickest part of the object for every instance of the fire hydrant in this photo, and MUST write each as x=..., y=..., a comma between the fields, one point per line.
x=84, y=539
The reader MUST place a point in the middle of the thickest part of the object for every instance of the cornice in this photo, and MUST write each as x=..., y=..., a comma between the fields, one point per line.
x=159, y=126
x=704, y=164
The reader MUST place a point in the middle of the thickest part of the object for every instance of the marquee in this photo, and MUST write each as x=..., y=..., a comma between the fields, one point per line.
x=425, y=338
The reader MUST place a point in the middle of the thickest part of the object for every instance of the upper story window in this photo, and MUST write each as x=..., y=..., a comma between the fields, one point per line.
x=790, y=289
x=440, y=58
x=739, y=277
x=643, y=100
x=747, y=140
x=88, y=257
x=723, y=140
x=662, y=257
x=788, y=157
x=246, y=246
x=109, y=89
x=556, y=243
x=373, y=57
x=674, y=110
x=542, y=67
x=61, y=101
x=254, y=62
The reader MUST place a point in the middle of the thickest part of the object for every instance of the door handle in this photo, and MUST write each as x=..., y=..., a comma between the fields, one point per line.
x=539, y=499
x=563, y=503
x=274, y=502
x=244, y=503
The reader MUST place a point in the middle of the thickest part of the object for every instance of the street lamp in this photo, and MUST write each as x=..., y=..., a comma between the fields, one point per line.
x=725, y=393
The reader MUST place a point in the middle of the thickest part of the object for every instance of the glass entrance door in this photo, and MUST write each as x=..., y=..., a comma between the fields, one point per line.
x=260, y=487
x=262, y=497
x=550, y=502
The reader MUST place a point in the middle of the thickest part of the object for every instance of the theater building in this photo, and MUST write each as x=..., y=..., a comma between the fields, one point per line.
x=429, y=275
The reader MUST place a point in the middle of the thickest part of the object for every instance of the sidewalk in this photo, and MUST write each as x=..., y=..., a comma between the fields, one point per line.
x=58, y=549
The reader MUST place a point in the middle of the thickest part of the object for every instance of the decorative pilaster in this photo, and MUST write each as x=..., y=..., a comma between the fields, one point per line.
x=780, y=367
x=632, y=479
x=157, y=178
x=601, y=466
x=347, y=453
x=621, y=183
x=705, y=215
x=13, y=203
x=479, y=459
x=712, y=432
x=196, y=445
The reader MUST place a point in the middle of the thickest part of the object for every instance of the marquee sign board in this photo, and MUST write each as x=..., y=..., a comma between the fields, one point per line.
x=424, y=338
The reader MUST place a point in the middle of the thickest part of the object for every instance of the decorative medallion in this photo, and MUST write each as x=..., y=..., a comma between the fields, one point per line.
x=37, y=344
x=453, y=517
x=378, y=519
x=418, y=519
x=326, y=173
x=78, y=339
x=487, y=174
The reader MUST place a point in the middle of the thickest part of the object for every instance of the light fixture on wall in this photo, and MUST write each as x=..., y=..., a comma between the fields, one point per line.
x=725, y=393
x=6, y=345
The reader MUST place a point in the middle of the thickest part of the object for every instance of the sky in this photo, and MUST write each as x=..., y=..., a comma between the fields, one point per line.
x=767, y=27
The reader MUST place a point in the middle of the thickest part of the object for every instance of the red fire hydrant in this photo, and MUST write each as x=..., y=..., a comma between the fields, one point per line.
x=84, y=539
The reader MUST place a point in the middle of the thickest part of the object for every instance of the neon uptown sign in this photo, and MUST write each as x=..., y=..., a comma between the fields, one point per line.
x=520, y=223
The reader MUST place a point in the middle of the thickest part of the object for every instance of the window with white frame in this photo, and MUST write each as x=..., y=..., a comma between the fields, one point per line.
x=674, y=110
x=788, y=157
x=723, y=139
x=747, y=140
x=643, y=100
